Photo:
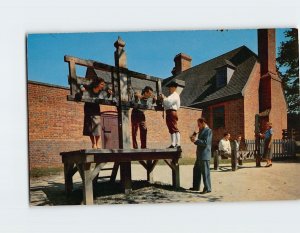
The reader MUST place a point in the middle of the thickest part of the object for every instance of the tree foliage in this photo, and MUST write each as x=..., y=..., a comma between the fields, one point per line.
x=288, y=63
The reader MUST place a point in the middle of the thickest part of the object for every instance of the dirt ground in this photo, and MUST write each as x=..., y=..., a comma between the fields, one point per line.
x=248, y=183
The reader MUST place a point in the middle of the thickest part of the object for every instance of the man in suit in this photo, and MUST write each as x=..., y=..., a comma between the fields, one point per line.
x=201, y=168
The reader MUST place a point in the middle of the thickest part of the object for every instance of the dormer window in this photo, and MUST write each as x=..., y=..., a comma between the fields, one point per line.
x=224, y=74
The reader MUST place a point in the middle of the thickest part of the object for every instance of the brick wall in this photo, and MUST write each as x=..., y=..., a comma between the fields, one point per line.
x=55, y=125
x=234, y=119
x=278, y=114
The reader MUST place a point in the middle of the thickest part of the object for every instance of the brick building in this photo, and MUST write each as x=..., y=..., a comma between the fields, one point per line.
x=230, y=89
x=233, y=87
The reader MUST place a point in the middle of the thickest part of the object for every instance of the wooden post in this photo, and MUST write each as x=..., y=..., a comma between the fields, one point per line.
x=175, y=174
x=149, y=171
x=88, y=198
x=125, y=169
x=68, y=168
x=123, y=112
x=257, y=141
x=216, y=160
x=234, y=160
x=72, y=77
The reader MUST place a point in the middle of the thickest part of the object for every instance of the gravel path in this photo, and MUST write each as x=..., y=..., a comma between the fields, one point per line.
x=248, y=183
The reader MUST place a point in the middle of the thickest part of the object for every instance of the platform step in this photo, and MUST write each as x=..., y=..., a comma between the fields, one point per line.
x=107, y=169
x=103, y=177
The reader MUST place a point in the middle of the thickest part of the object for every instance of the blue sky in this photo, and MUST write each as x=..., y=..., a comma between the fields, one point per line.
x=147, y=52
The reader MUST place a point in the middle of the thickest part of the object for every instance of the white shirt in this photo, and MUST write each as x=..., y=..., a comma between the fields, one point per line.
x=172, y=101
x=224, y=145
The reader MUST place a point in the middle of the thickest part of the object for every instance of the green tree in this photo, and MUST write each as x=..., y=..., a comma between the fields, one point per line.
x=288, y=63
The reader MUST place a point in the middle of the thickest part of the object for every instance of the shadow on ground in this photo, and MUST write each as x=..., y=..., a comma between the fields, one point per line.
x=111, y=193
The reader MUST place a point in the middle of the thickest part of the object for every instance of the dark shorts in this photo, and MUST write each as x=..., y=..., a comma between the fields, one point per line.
x=171, y=120
x=92, y=125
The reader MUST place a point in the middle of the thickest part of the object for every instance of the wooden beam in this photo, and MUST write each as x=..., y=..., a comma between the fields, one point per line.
x=144, y=164
x=102, y=66
x=113, y=155
x=91, y=100
x=82, y=62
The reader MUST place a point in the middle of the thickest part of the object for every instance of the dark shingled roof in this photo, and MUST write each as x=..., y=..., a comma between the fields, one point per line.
x=200, y=87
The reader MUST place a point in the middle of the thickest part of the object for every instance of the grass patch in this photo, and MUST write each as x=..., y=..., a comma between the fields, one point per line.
x=39, y=172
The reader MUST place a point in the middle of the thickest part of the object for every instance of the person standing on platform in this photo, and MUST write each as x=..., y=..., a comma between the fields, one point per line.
x=203, y=155
x=172, y=105
x=92, y=121
x=138, y=119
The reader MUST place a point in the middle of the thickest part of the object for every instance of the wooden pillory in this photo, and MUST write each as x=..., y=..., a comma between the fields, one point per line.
x=89, y=162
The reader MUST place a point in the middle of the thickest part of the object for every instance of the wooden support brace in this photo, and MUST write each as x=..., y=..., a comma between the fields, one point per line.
x=97, y=169
x=144, y=164
x=68, y=173
x=114, y=172
x=74, y=170
x=79, y=168
x=169, y=162
x=152, y=165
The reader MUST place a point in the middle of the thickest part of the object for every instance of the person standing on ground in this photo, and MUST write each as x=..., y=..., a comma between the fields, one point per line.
x=138, y=119
x=268, y=144
x=172, y=105
x=203, y=156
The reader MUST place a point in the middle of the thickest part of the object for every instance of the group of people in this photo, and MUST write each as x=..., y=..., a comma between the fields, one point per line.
x=203, y=153
x=92, y=120
x=225, y=144
x=171, y=105
x=202, y=138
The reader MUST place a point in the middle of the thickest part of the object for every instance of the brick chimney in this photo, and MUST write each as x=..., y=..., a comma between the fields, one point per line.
x=268, y=73
x=182, y=63
x=267, y=51
x=272, y=104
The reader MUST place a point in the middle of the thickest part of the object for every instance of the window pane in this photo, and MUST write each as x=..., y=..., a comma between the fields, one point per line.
x=218, y=117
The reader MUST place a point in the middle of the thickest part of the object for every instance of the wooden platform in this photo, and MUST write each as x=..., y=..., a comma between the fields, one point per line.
x=81, y=161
